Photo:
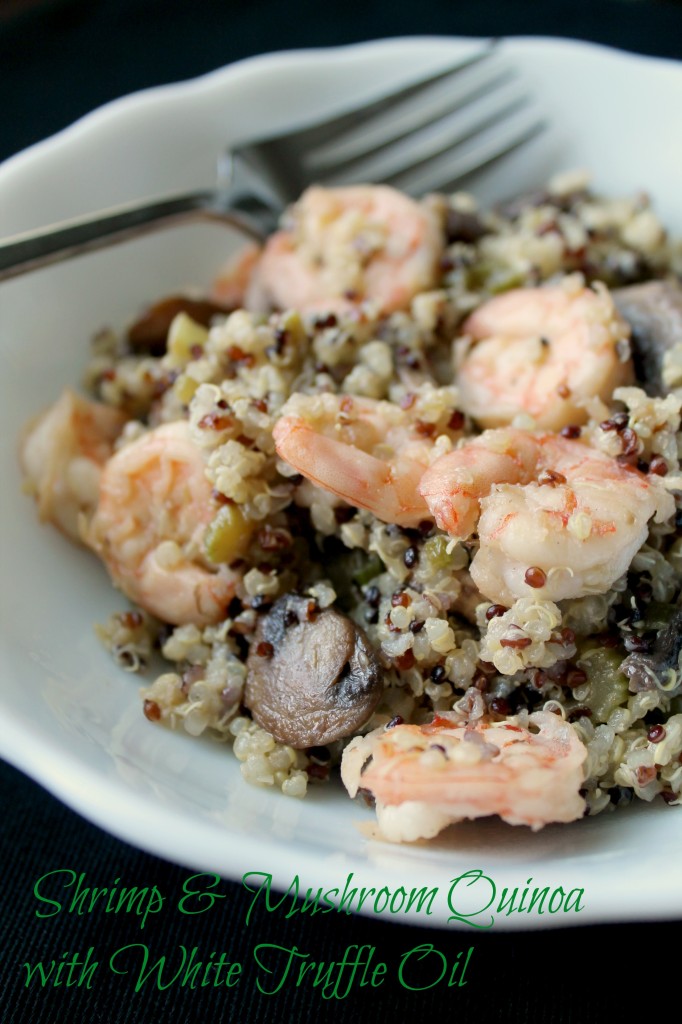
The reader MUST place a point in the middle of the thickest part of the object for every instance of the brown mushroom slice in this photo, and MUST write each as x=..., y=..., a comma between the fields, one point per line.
x=311, y=678
x=654, y=312
x=149, y=332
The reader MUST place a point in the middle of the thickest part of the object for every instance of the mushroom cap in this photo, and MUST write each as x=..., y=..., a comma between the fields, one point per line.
x=312, y=676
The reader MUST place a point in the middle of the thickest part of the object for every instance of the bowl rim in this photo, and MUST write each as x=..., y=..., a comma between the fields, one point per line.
x=283, y=59
x=141, y=820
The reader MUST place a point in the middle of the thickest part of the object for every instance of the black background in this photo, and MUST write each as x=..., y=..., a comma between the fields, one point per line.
x=59, y=60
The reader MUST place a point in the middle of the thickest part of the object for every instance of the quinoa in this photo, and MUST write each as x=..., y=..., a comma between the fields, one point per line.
x=440, y=643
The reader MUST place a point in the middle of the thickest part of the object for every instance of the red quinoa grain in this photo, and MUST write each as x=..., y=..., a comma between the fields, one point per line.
x=152, y=711
x=535, y=577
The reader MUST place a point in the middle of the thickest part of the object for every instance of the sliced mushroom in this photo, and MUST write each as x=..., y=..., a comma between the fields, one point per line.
x=312, y=676
x=660, y=668
x=149, y=332
x=654, y=312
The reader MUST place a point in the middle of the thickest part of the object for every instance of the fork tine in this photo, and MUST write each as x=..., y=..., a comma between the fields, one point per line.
x=370, y=132
x=421, y=150
x=279, y=162
x=448, y=170
x=455, y=128
x=313, y=136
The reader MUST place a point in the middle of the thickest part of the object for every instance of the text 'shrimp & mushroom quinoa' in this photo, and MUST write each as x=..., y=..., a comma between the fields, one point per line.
x=399, y=494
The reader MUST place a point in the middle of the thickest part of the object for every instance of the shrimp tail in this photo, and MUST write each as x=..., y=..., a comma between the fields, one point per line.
x=358, y=478
x=454, y=485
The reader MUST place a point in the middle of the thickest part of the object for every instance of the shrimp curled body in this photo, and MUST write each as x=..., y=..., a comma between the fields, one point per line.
x=542, y=351
x=361, y=450
x=425, y=777
x=62, y=455
x=154, y=506
x=546, y=503
x=346, y=245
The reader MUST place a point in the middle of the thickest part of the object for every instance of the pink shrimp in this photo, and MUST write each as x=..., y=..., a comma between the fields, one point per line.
x=231, y=286
x=454, y=486
x=62, y=454
x=363, y=451
x=149, y=528
x=542, y=351
x=346, y=245
x=558, y=519
x=425, y=777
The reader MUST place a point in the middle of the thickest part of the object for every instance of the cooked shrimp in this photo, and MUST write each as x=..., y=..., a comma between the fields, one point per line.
x=425, y=777
x=454, y=486
x=364, y=451
x=557, y=519
x=542, y=351
x=62, y=455
x=231, y=285
x=149, y=527
x=346, y=245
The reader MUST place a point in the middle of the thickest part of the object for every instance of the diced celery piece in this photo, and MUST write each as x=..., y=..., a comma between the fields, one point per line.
x=183, y=335
x=371, y=568
x=227, y=535
x=435, y=552
x=504, y=281
x=658, y=615
x=608, y=685
x=184, y=388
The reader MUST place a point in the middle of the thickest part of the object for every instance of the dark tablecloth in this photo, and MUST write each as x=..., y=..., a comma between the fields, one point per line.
x=57, y=61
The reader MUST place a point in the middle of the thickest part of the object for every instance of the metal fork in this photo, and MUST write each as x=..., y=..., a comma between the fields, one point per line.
x=425, y=136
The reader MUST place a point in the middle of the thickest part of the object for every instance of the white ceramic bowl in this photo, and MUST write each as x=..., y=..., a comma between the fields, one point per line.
x=68, y=717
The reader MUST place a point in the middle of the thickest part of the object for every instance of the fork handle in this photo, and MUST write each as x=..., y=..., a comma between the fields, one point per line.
x=36, y=249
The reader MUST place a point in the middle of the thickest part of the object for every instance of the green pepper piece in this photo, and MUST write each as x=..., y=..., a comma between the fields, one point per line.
x=435, y=552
